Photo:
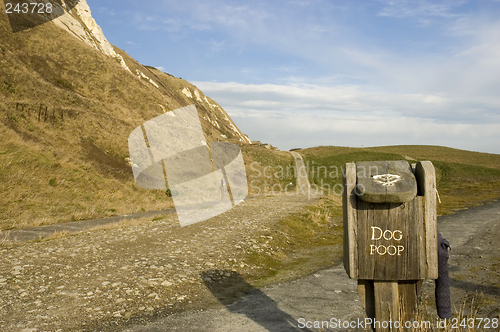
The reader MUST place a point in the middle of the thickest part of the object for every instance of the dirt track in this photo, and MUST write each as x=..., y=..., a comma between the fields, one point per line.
x=110, y=279
x=327, y=294
x=95, y=280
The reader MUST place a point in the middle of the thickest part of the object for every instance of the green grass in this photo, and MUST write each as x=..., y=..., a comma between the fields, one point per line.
x=462, y=185
x=441, y=153
x=298, y=244
x=464, y=178
x=268, y=170
x=326, y=170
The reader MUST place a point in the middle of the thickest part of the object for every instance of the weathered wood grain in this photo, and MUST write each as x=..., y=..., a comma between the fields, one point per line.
x=367, y=296
x=390, y=240
x=408, y=297
x=386, y=295
x=385, y=181
x=349, y=205
x=426, y=182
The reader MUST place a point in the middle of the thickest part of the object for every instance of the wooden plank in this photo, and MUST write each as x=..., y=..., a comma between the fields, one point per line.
x=426, y=182
x=420, y=231
x=365, y=216
x=415, y=243
x=398, y=219
x=390, y=240
x=386, y=295
x=420, y=220
x=350, y=221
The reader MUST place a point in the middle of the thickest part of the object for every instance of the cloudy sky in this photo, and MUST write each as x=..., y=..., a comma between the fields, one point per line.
x=301, y=73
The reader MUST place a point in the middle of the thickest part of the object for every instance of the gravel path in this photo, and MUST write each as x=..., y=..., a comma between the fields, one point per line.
x=94, y=280
x=320, y=296
x=331, y=294
x=33, y=233
x=109, y=279
x=303, y=184
x=99, y=279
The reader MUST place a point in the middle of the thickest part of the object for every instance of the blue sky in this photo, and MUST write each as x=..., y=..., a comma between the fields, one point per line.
x=302, y=73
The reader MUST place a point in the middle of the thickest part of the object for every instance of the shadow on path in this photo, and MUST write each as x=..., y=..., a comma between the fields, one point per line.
x=472, y=287
x=240, y=297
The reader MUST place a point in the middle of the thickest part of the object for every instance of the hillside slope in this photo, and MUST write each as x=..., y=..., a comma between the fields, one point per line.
x=68, y=101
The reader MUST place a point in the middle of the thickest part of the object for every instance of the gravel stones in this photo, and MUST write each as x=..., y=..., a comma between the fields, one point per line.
x=116, y=274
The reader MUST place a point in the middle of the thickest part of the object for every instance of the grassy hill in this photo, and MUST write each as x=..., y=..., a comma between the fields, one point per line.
x=464, y=178
x=66, y=110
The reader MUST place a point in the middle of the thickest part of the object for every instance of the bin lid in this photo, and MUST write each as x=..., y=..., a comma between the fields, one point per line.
x=385, y=181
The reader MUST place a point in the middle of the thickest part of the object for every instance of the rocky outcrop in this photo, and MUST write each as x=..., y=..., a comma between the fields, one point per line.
x=80, y=23
x=220, y=119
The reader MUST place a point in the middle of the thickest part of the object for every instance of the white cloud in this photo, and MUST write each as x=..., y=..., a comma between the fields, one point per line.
x=309, y=115
x=341, y=99
x=216, y=46
x=411, y=8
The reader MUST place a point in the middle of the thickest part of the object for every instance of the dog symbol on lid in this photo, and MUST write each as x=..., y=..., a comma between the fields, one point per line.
x=386, y=179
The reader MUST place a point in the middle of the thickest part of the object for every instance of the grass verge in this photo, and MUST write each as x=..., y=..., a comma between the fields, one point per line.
x=464, y=178
x=298, y=244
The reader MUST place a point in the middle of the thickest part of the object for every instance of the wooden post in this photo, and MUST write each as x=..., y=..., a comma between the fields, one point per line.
x=408, y=297
x=389, y=239
x=350, y=221
x=367, y=296
x=386, y=305
x=426, y=180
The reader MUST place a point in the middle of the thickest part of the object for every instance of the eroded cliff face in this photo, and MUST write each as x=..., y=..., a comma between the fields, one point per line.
x=79, y=22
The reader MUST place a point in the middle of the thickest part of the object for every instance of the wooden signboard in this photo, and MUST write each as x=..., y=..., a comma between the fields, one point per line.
x=386, y=236
x=390, y=240
x=390, y=234
x=390, y=226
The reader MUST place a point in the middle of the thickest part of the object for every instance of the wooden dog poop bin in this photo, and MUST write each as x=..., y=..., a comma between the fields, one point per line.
x=390, y=236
